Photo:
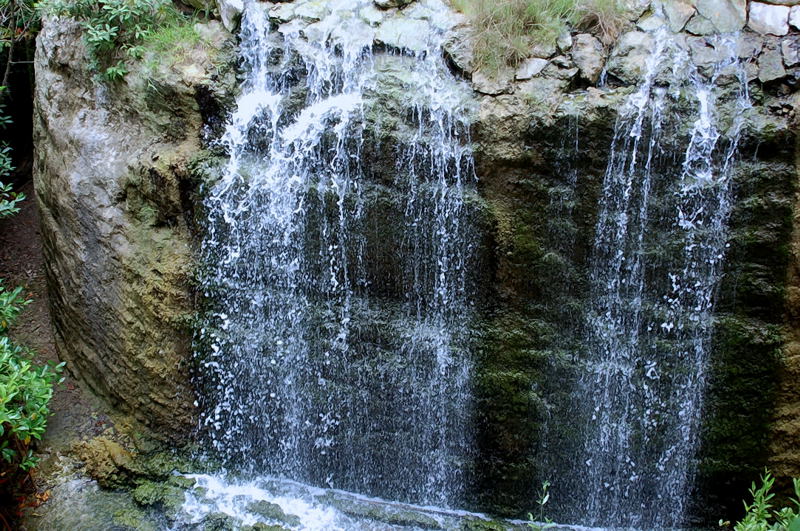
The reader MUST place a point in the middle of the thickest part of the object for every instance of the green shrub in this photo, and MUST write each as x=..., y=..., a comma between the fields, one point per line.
x=760, y=515
x=25, y=388
x=115, y=29
x=25, y=393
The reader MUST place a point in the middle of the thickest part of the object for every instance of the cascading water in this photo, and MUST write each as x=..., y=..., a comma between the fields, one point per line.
x=333, y=351
x=657, y=256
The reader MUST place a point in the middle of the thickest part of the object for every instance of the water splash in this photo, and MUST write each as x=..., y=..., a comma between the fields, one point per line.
x=333, y=349
x=657, y=258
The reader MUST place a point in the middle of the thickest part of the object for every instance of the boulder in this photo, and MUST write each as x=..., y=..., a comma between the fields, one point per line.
x=493, y=84
x=530, y=68
x=564, y=42
x=458, y=50
x=678, y=13
x=790, y=50
x=770, y=64
x=794, y=17
x=587, y=52
x=700, y=25
x=767, y=18
x=628, y=60
x=230, y=11
x=726, y=15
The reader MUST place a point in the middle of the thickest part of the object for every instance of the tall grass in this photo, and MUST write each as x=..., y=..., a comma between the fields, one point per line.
x=506, y=31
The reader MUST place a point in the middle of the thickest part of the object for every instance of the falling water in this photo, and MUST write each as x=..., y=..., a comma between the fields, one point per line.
x=657, y=256
x=332, y=350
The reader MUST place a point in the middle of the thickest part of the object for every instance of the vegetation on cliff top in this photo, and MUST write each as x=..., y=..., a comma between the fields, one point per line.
x=117, y=31
x=507, y=31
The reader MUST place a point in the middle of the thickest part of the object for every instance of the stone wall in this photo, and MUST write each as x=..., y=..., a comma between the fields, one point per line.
x=114, y=183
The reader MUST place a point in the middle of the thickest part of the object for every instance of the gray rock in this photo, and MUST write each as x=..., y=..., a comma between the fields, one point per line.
x=794, y=17
x=770, y=64
x=790, y=50
x=700, y=25
x=767, y=18
x=704, y=54
x=678, y=13
x=544, y=50
x=629, y=58
x=651, y=22
x=587, y=52
x=458, y=49
x=388, y=4
x=230, y=11
x=783, y=2
x=530, y=68
x=282, y=12
x=749, y=45
x=311, y=11
x=726, y=15
x=501, y=83
x=564, y=42
x=634, y=9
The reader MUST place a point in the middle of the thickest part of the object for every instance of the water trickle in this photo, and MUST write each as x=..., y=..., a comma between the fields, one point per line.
x=657, y=258
x=333, y=350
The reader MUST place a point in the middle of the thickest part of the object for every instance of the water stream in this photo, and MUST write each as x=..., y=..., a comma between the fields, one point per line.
x=332, y=350
x=656, y=262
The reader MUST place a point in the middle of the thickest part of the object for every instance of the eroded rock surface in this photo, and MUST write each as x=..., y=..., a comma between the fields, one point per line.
x=114, y=185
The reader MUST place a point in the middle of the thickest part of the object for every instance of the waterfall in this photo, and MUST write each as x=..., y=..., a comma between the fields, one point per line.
x=333, y=348
x=657, y=259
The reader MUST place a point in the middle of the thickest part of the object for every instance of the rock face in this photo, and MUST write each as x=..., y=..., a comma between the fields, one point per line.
x=113, y=175
x=117, y=171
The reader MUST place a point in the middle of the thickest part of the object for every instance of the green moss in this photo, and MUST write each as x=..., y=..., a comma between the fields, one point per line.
x=273, y=511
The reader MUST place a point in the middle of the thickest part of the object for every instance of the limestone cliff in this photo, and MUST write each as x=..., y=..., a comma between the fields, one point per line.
x=113, y=179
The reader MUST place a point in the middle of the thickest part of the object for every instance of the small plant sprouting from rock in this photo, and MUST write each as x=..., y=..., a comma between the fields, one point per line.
x=115, y=29
x=542, y=522
x=760, y=514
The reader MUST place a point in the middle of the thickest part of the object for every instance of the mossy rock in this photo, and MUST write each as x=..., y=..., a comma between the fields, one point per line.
x=219, y=522
x=132, y=519
x=479, y=524
x=259, y=526
x=273, y=511
x=380, y=513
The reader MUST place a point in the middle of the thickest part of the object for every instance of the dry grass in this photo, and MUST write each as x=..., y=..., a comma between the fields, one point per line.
x=604, y=18
x=506, y=31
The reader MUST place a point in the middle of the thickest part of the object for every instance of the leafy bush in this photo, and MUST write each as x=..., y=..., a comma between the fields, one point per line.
x=506, y=31
x=25, y=388
x=25, y=393
x=760, y=515
x=114, y=29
